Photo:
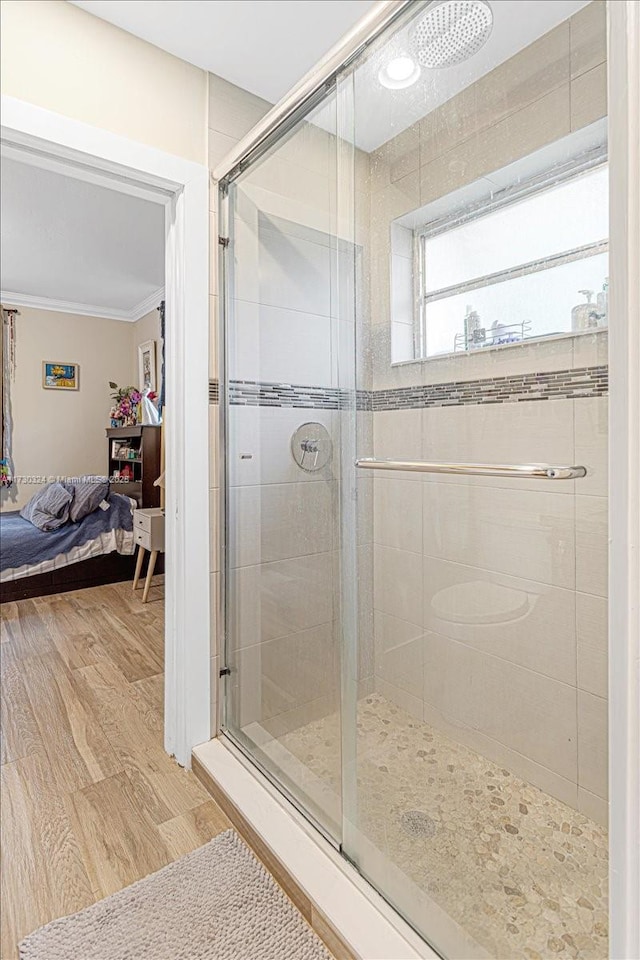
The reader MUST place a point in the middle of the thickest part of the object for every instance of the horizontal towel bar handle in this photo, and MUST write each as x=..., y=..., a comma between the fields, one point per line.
x=526, y=471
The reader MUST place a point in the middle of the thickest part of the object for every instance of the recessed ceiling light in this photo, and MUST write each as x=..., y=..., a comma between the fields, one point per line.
x=399, y=73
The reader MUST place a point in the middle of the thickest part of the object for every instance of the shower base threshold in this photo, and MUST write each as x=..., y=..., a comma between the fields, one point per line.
x=340, y=901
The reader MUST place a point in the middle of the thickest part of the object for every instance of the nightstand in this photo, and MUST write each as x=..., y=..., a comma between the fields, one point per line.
x=148, y=533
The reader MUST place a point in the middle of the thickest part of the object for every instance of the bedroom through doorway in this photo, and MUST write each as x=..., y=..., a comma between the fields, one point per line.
x=83, y=402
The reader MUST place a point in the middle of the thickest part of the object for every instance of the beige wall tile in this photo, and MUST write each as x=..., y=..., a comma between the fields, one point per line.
x=516, y=136
x=544, y=355
x=284, y=723
x=398, y=198
x=395, y=159
x=517, y=532
x=593, y=807
x=401, y=698
x=397, y=434
x=397, y=519
x=397, y=583
x=281, y=521
x=232, y=110
x=588, y=29
x=449, y=125
x=518, y=764
x=589, y=97
x=526, y=77
x=398, y=653
x=528, y=623
x=285, y=188
x=502, y=433
x=592, y=528
x=298, y=669
x=276, y=599
x=592, y=444
x=529, y=713
x=384, y=375
x=592, y=744
x=260, y=444
x=404, y=153
x=591, y=349
x=312, y=148
x=592, y=643
x=219, y=145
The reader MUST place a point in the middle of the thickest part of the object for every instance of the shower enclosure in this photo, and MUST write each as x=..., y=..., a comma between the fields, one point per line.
x=414, y=417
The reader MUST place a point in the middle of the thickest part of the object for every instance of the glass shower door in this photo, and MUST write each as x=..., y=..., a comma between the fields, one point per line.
x=474, y=707
x=415, y=406
x=287, y=413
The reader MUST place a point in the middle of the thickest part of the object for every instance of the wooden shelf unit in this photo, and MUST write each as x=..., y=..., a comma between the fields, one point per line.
x=145, y=466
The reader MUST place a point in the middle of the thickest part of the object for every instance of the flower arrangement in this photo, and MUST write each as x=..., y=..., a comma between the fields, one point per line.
x=126, y=404
x=5, y=476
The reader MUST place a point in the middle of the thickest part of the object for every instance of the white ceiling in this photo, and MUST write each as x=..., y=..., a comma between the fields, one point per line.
x=70, y=245
x=264, y=46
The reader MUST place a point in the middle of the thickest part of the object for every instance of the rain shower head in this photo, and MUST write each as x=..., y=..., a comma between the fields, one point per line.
x=451, y=31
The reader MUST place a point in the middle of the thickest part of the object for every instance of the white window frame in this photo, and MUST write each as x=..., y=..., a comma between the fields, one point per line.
x=504, y=198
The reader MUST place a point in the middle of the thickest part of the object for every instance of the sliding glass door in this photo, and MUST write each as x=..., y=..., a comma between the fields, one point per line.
x=288, y=405
x=416, y=496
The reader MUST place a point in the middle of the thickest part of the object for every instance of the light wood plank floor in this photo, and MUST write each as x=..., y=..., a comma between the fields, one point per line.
x=90, y=800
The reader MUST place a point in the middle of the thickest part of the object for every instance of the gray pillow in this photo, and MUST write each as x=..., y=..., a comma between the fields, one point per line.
x=87, y=497
x=48, y=509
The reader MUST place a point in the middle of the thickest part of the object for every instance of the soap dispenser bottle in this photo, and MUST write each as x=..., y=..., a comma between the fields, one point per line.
x=603, y=303
x=585, y=315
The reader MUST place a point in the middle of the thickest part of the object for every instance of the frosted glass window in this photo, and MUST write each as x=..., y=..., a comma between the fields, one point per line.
x=518, y=272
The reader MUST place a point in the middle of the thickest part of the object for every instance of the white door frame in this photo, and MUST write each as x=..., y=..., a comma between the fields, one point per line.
x=182, y=187
x=624, y=481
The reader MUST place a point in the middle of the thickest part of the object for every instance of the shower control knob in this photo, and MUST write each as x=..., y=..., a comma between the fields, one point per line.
x=311, y=447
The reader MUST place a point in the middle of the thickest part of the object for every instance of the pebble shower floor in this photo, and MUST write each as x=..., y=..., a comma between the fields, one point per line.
x=522, y=872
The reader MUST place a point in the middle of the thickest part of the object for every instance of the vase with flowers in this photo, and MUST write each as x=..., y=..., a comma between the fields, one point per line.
x=126, y=405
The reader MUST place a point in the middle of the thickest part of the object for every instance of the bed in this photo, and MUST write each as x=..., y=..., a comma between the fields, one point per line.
x=99, y=549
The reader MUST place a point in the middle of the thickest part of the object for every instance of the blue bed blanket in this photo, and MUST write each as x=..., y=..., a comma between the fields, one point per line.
x=23, y=545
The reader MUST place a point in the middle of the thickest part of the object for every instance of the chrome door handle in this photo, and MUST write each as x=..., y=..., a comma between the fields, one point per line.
x=527, y=471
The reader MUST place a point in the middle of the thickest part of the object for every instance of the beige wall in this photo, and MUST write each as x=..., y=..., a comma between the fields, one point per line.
x=62, y=433
x=57, y=56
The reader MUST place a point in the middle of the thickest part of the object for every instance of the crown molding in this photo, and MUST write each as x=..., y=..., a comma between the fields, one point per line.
x=147, y=305
x=13, y=299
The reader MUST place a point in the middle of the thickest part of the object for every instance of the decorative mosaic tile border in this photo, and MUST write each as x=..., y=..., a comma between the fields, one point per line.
x=554, y=385
x=252, y=393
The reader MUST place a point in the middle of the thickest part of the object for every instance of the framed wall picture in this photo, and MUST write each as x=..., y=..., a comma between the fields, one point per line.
x=147, y=365
x=58, y=375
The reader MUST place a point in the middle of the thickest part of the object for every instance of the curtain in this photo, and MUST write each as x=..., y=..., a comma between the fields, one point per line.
x=7, y=370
